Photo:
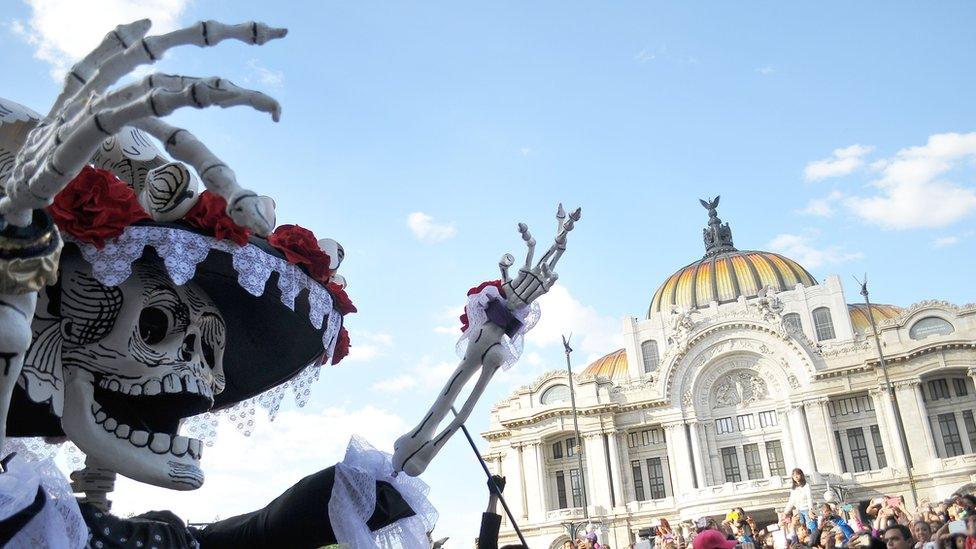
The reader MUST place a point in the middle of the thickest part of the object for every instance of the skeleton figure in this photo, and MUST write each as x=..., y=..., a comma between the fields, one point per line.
x=121, y=366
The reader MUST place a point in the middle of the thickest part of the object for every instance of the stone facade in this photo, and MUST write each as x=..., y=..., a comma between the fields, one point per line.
x=740, y=393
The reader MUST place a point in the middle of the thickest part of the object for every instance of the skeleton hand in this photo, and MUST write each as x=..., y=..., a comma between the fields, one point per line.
x=87, y=112
x=533, y=281
x=414, y=450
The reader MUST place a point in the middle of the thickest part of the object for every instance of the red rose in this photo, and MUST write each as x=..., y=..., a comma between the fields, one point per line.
x=96, y=206
x=477, y=290
x=210, y=214
x=301, y=248
x=340, y=299
x=341, y=347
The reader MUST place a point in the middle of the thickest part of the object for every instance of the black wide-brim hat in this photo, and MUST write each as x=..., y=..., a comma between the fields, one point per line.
x=279, y=320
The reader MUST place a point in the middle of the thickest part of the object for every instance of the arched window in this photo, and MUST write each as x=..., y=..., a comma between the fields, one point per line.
x=822, y=323
x=792, y=322
x=930, y=325
x=651, y=357
x=556, y=393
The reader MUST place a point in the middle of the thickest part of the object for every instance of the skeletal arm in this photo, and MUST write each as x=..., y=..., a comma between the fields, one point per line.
x=414, y=450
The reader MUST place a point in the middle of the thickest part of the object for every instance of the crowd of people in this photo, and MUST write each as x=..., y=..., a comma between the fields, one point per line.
x=885, y=523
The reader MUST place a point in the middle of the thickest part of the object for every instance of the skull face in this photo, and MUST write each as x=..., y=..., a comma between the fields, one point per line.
x=135, y=360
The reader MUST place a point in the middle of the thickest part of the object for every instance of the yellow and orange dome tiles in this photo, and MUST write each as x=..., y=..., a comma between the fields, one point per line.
x=725, y=276
x=859, y=315
x=613, y=365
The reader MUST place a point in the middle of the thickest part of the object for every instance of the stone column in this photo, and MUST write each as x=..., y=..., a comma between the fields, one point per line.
x=618, y=479
x=537, y=504
x=801, y=439
x=626, y=478
x=683, y=469
x=884, y=411
x=786, y=442
x=915, y=418
x=597, y=485
x=822, y=436
x=696, y=452
x=519, y=473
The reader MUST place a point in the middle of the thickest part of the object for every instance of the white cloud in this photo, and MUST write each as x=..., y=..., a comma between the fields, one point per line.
x=765, y=71
x=644, y=56
x=800, y=248
x=278, y=454
x=945, y=241
x=366, y=346
x=64, y=31
x=822, y=207
x=452, y=324
x=265, y=76
x=425, y=373
x=426, y=229
x=913, y=190
x=594, y=334
x=841, y=162
x=527, y=151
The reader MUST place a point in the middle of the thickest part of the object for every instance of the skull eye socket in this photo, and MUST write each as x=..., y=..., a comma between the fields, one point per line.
x=153, y=325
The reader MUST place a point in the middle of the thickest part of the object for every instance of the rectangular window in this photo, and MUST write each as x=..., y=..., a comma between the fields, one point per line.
x=574, y=480
x=867, y=403
x=645, y=437
x=939, y=389
x=724, y=425
x=767, y=419
x=570, y=446
x=638, y=480
x=557, y=450
x=950, y=434
x=774, y=454
x=730, y=464
x=845, y=406
x=657, y=436
x=967, y=418
x=632, y=440
x=859, y=449
x=753, y=461
x=561, y=490
x=878, y=447
x=840, y=451
x=960, y=385
x=655, y=478
x=745, y=422
x=822, y=324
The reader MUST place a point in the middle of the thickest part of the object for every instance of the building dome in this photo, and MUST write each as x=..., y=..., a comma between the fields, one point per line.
x=859, y=315
x=613, y=365
x=726, y=273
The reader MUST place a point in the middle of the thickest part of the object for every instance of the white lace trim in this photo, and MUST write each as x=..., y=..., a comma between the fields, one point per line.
x=477, y=316
x=182, y=250
x=59, y=525
x=354, y=500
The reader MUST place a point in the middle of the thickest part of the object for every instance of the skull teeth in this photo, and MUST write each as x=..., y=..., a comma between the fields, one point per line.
x=158, y=443
x=169, y=384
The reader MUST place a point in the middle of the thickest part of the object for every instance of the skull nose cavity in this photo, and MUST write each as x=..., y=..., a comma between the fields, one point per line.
x=189, y=348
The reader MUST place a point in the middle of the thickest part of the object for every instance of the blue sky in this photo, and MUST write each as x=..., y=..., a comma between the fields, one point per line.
x=839, y=134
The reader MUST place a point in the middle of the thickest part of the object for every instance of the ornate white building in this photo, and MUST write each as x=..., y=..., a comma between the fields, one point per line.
x=744, y=368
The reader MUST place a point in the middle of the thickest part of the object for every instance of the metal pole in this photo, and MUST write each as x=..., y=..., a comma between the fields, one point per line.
x=891, y=394
x=501, y=498
x=579, y=441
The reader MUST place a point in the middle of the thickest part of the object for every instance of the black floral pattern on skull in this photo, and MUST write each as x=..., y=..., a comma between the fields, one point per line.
x=122, y=366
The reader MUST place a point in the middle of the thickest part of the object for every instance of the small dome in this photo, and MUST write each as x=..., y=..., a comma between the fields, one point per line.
x=726, y=273
x=859, y=315
x=613, y=365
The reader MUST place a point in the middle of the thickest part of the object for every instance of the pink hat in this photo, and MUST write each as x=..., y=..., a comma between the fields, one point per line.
x=712, y=539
